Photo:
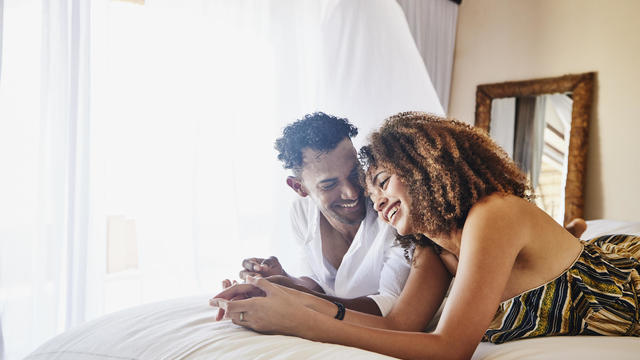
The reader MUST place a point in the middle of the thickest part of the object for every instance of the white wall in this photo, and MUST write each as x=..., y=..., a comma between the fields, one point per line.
x=504, y=40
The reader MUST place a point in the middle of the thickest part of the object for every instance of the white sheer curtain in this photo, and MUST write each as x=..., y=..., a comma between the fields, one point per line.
x=1, y=303
x=502, y=128
x=177, y=146
x=43, y=107
x=537, y=141
x=370, y=66
x=563, y=107
x=1, y=26
x=433, y=25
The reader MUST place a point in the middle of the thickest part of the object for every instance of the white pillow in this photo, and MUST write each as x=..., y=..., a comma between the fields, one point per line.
x=599, y=227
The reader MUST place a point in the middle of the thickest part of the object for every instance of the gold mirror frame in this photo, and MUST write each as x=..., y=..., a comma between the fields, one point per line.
x=581, y=87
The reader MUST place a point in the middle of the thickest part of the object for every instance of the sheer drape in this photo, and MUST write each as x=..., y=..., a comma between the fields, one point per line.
x=529, y=136
x=1, y=303
x=502, y=128
x=1, y=27
x=525, y=110
x=433, y=25
x=186, y=100
x=370, y=67
x=563, y=106
x=65, y=108
x=43, y=107
x=538, y=133
x=537, y=139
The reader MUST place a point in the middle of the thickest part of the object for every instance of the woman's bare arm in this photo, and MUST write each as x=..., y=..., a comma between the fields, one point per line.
x=491, y=241
x=418, y=302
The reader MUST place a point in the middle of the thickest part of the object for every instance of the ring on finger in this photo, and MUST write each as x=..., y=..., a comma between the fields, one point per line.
x=242, y=316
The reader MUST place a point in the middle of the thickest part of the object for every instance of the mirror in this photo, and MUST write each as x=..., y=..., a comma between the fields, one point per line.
x=543, y=125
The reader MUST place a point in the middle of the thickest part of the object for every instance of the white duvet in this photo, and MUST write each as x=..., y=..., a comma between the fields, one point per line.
x=185, y=329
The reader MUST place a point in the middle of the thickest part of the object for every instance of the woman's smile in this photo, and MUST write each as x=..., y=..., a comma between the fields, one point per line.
x=390, y=213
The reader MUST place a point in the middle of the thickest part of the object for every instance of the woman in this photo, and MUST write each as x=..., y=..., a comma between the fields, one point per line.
x=462, y=206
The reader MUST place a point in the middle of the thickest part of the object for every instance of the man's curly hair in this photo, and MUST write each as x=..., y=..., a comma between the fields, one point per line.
x=317, y=131
x=447, y=166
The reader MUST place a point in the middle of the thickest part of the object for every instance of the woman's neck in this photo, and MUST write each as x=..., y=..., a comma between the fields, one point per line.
x=449, y=241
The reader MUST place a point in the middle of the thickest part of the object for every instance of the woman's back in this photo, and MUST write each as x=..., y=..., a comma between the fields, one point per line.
x=548, y=248
x=544, y=248
x=596, y=295
x=560, y=285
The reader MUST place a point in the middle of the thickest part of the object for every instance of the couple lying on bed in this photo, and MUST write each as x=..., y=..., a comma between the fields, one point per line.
x=460, y=206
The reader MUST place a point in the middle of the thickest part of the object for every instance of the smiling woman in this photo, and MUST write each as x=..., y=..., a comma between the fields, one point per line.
x=445, y=197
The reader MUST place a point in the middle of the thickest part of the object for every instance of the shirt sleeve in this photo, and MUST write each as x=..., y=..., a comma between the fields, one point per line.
x=299, y=224
x=392, y=277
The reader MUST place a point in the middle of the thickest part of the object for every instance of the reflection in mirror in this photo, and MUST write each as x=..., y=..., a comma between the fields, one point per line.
x=544, y=125
x=535, y=131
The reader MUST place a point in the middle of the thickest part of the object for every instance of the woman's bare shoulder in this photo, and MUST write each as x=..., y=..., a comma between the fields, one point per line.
x=500, y=215
x=500, y=205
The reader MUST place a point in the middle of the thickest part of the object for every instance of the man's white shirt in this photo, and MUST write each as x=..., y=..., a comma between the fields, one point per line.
x=372, y=266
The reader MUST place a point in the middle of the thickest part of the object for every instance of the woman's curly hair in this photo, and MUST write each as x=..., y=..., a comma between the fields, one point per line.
x=447, y=165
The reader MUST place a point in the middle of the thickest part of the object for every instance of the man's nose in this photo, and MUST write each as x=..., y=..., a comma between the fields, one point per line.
x=350, y=191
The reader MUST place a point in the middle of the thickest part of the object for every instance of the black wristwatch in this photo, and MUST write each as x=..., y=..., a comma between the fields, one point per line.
x=341, y=311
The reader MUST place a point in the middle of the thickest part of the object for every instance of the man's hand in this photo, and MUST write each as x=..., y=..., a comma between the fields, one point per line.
x=228, y=283
x=261, y=267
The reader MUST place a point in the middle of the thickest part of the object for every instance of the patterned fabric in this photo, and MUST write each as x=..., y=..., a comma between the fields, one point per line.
x=597, y=295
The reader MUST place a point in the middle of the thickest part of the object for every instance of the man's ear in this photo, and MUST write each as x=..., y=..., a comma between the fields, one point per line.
x=295, y=184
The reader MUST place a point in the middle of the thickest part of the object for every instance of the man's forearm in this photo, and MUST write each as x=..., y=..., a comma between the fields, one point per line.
x=306, y=284
x=362, y=304
x=303, y=283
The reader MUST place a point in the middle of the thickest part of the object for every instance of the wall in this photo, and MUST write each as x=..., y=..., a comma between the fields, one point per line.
x=503, y=40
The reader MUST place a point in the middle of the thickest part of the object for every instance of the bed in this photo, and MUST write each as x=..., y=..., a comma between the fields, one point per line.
x=184, y=329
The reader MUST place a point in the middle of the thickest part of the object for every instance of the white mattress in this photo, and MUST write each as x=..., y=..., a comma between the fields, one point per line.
x=185, y=329
x=604, y=227
x=182, y=329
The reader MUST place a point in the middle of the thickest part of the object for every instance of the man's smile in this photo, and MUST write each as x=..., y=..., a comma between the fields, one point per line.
x=349, y=206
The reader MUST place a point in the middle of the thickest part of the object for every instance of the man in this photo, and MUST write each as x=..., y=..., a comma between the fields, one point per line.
x=349, y=251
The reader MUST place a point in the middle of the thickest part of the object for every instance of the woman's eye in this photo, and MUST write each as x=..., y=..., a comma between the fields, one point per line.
x=384, y=183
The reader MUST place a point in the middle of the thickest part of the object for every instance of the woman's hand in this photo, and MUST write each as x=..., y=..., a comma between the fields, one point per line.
x=232, y=293
x=275, y=313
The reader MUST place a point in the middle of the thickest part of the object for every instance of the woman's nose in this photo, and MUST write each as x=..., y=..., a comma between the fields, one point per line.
x=379, y=202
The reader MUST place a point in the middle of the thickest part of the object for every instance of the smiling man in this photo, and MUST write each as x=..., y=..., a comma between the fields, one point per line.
x=349, y=252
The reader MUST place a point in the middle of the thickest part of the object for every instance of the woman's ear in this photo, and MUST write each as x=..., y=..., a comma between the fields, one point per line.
x=295, y=184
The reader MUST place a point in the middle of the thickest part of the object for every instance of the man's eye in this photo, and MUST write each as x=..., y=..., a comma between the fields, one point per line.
x=328, y=186
x=384, y=183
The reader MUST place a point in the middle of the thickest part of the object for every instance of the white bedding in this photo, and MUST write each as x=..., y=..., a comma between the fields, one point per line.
x=184, y=329
x=603, y=227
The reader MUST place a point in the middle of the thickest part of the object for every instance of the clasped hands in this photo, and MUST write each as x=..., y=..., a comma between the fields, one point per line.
x=258, y=303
